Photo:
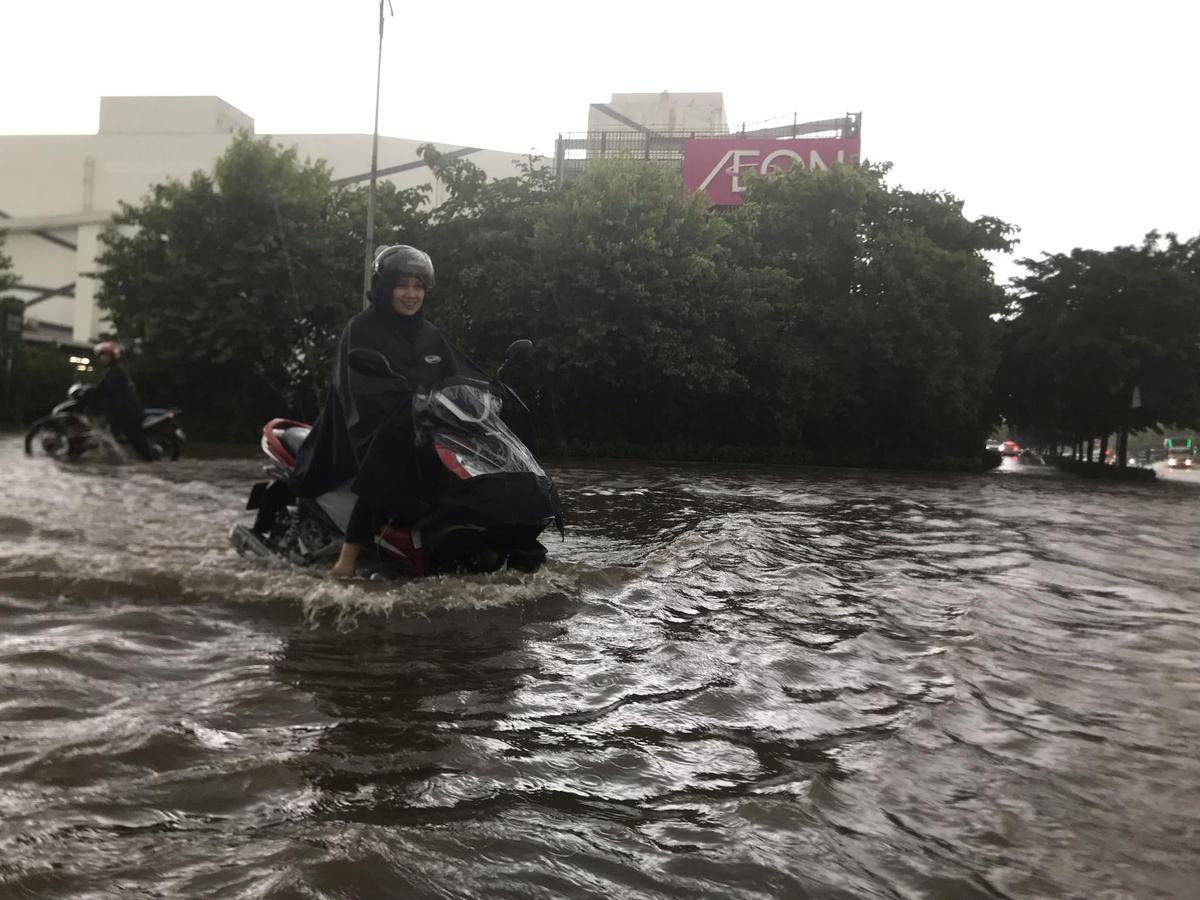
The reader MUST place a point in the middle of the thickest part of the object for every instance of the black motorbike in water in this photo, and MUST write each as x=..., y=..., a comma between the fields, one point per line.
x=71, y=429
x=489, y=501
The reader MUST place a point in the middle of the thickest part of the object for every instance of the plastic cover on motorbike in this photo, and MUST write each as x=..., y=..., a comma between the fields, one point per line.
x=502, y=485
x=463, y=416
x=365, y=434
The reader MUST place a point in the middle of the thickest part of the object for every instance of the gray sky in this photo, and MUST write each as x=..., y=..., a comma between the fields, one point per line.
x=1074, y=120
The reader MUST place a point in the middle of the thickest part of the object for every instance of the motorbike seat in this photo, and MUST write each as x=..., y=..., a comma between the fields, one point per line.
x=292, y=438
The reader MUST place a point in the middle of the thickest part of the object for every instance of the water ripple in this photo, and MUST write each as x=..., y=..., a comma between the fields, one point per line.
x=750, y=683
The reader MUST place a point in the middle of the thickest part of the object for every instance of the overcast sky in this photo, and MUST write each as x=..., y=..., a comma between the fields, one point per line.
x=1076, y=121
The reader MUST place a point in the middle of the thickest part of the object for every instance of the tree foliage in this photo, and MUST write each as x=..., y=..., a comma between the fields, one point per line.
x=1089, y=327
x=870, y=312
x=235, y=285
x=629, y=300
x=480, y=240
x=831, y=316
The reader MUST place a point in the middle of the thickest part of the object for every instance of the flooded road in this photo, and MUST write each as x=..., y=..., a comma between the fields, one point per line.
x=738, y=683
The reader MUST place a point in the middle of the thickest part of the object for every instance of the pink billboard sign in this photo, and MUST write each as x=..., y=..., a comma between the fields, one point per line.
x=718, y=165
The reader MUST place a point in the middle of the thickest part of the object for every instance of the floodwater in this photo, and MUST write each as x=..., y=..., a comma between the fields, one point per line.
x=728, y=683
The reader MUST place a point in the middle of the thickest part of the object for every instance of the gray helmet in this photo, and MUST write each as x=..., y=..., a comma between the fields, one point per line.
x=394, y=262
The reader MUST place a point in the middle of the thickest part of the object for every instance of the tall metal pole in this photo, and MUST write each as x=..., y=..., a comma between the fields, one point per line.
x=369, y=250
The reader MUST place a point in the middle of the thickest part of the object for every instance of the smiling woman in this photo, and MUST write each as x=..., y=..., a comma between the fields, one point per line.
x=408, y=295
x=364, y=435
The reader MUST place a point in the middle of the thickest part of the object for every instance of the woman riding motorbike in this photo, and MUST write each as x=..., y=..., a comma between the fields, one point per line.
x=365, y=433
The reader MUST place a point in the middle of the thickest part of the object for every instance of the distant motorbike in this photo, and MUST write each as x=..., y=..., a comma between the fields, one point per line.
x=491, y=497
x=70, y=430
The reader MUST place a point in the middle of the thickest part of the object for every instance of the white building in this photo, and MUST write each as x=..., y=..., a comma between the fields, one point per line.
x=673, y=113
x=58, y=192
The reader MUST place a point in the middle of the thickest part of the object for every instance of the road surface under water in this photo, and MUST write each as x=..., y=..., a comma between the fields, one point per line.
x=731, y=683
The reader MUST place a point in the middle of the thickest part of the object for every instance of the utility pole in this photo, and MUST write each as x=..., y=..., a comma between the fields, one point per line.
x=369, y=250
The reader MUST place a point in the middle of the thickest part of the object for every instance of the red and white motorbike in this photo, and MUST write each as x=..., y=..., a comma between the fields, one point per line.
x=491, y=497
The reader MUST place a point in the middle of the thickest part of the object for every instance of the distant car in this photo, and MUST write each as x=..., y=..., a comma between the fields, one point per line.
x=1010, y=448
x=1179, y=461
x=992, y=445
x=1180, y=453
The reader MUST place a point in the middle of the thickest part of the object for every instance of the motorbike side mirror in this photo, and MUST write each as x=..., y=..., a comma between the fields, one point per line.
x=372, y=363
x=516, y=352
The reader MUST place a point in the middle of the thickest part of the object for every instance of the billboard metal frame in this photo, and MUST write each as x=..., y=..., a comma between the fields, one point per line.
x=572, y=150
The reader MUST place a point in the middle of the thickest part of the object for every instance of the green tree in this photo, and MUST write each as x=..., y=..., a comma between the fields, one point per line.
x=878, y=305
x=832, y=314
x=480, y=238
x=613, y=278
x=234, y=286
x=630, y=301
x=1089, y=327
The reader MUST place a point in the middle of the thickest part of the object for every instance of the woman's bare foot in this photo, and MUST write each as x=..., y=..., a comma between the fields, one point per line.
x=347, y=561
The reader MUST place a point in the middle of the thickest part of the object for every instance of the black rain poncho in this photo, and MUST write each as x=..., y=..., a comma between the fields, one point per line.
x=116, y=396
x=365, y=433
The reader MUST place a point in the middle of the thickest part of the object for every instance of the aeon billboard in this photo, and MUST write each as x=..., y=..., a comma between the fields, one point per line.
x=718, y=165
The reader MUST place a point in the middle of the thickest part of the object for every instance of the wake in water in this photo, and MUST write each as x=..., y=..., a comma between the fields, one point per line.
x=155, y=532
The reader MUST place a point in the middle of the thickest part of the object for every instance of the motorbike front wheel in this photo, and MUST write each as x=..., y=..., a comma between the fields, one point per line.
x=51, y=439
